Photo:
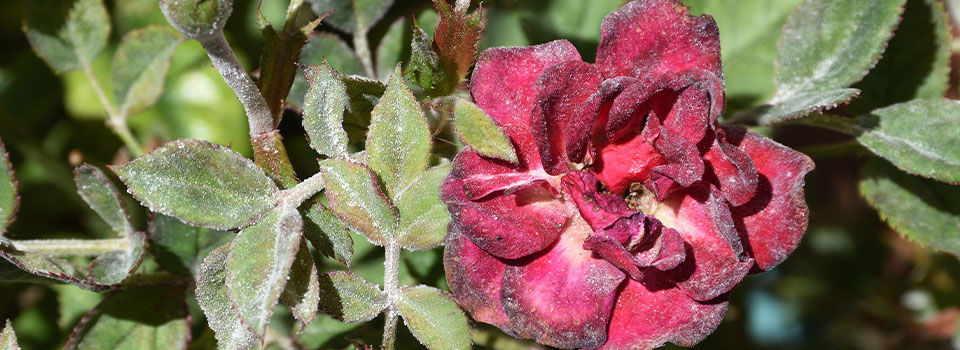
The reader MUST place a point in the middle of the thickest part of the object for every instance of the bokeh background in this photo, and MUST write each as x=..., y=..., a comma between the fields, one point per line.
x=853, y=283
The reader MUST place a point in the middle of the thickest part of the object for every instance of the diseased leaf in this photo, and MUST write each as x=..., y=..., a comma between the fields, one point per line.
x=302, y=293
x=8, y=339
x=114, y=267
x=180, y=248
x=456, y=39
x=100, y=194
x=924, y=211
x=328, y=234
x=105, y=272
x=355, y=197
x=349, y=15
x=798, y=105
x=749, y=30
x=916, y=63
x=363, y=96
x=349, y=298
x=323, y=107
x=919, y=136
x=68, y=34
x=434, y=318
x=478, y=131
x=140, y=66
x=200, y=183
x=398, y=143
x=259, y=264
x=423, y=216
x=826, y=46
x=214, y=300
x=147, y=317
x=281, y=52
x=8, y=191
x=74, y=302
x=425, y=68
x=326, y=47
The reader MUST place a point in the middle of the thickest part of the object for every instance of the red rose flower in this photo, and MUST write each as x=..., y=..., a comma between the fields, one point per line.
x=632, y=212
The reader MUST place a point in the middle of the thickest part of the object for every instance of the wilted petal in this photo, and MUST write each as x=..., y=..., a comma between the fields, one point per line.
x=652, y=36
x=475, y=278
x=651, y=312
x=597, y=208
x=590, y=114
x=504, y=86
x=734, y=171
x=508, y=225
x=776, y=217
x=561, y=89
x=564, y=297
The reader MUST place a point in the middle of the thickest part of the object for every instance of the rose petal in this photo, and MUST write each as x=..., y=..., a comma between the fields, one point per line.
x=652, y=312
x=776, y=217
x=592, y=114
x=561, y=89
x=507, y=225
x=503, y=86
x=652, y=36
x=662, y=248
x=711, y=266
x=683, y=167
x=733, y=171
x=475, y=278
x=598, y=209
x=564, y=297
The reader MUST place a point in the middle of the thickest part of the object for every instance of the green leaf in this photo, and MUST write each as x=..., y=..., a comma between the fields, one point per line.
x=324, y=104
x=827, y=46
x=326, y=47
x=478, y=131
x=137, y=318
x=398, y=143
x=214, y=300
x=349, y=298
x=425, y=68
x=798, y=105
x=355, y=197
x=919, y=136
x=328, y=234
x=423, y=216
x=390, y=51
x=67, y=35
x=363, y=95
x=179, y=247
x=74, y=302
x=259, y=264
x=456, y=39
x=281, y=52
x=100, y=194
x=916, y=63
x=140, y=66
x=105, y=272
x=434, y=318
x=8, y=191
x=924, y=211
x=8, y=339
x=302, y=293
x=114, y=267
x=749, y=30
x=199, y=183
x=351, y=15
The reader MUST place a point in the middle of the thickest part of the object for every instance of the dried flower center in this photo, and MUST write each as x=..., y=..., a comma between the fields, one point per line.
x=639, y=199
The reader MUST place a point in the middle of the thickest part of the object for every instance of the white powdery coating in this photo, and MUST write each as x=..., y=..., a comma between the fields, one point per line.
x=212, y=297
x=323, y=108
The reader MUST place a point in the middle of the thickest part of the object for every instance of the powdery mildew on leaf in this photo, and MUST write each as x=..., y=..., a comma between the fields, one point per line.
x=68, y=36
x=200, y=183
x=478, y=131
x=355, y=197
x=146, y=317
x=100, y=194
x=434, y=318
x=214, y=300
x=8, y=339
x=423, y=216
x=9, y=201
x=302, y=293
x=349, y=298
x=328, y=234
x=140, y=66
x=323, y=107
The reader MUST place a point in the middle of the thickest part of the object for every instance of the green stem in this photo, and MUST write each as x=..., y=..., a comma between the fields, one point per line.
x=391, y=269
x=116, y=120
x=71, y=247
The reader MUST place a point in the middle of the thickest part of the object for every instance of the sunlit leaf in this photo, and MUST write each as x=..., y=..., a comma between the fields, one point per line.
x=140, y=66
x=200, y=183
x=68, y=34
x=349, y=298
x=301, y=295
x=355, y=197
x=324, y=104
x=179, y=247
x=8, y=339
x=398, y=143
x=148, y=317
x=434, y=318
x=214, y=300
x=100, y=194
x=423, y=216
x=478, y=131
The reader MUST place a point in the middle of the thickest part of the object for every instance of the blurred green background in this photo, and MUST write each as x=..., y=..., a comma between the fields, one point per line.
x=853, y=283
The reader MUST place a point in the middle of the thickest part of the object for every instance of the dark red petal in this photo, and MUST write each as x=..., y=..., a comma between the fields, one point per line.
x=611, y=250
x=652, y=36
x=598, y=209
x=592, y=113
x=662, y=247
x=776, y=217
x=683, y=167
x=504, y=86
x=475, y=278
x=561, y=89
x=564, y=297
x=508, y=225
x=734, y=171
x=652, y=312
x=711, y=266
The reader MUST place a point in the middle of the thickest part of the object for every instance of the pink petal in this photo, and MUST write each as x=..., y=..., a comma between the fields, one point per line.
x=776, y=217
x=652, y=312
x=475, y=278
x=504, y=86
x=712, y=266
x=597, y=208
x=663, y=248
x=564, y=297
x=653, y=36
x=561, y=89
x=508, y=225
x=592, y=114
x=733, y=170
